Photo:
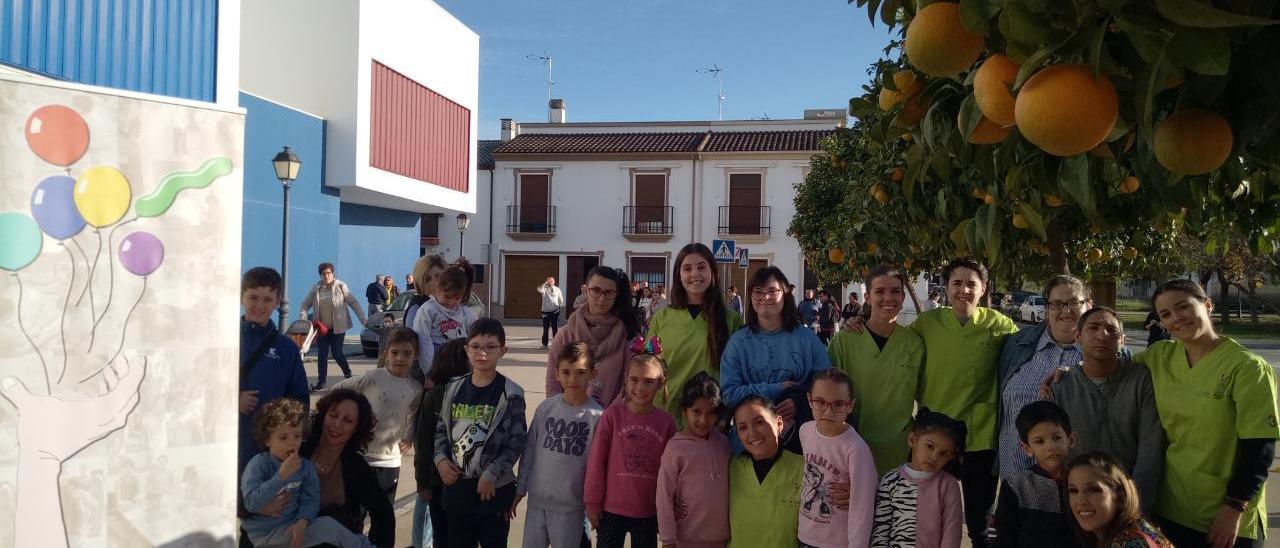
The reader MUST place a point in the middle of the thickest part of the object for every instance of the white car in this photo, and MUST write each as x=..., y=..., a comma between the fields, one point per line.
x=1032, y=309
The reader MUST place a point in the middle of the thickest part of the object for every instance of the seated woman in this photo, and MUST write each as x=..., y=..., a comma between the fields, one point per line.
x=340, y=430
x=764, y=483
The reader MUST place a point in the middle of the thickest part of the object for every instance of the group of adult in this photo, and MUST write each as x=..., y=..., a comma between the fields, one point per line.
x=382, y=291
x=1193, y=419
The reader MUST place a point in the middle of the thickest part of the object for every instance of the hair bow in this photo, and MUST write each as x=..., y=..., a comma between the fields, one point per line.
x=653, y=345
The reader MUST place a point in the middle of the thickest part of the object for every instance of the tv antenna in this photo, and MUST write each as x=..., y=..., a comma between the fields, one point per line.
x=715, y=71
x=545, y=58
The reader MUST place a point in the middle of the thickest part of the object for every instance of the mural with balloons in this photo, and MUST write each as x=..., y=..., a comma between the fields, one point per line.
x=120, y=223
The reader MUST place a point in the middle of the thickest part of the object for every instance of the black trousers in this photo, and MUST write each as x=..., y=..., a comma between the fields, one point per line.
x=1183, y=536
x=331, y=344
x=388, y=479
x=472, y=522
x=979, y=486
x=439, y=519
x=550, y=320
x=614, y=529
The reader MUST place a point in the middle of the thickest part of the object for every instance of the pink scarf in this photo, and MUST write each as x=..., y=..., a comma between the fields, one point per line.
x=607, y=340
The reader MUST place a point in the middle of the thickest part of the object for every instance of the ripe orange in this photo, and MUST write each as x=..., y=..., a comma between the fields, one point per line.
x=1095, y=255
x=907, y=87
x=906, y=263
x=1129, y=185
x=989, y=199
x=1052, y=200
x=879, y=193
x=937, y=43
x=835, y=255
x=991, y=88
x=1130, y=253
x=1065, y=111
x=979, y=193
x=896, y=175
x=1019, y=221
x=872, y=248
x=1193, y=141
x=988, y=132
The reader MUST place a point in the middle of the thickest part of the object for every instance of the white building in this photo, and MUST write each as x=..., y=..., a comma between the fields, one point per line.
x=561, y=198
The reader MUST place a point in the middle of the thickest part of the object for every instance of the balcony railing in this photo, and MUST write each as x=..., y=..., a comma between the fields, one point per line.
x=531, y=219
x=745, y=220
x=647, y=220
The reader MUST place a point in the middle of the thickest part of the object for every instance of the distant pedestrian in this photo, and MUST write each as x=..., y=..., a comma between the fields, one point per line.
x=552, y=302
x=808, y=309
x=828, y=317
x=331, y=299
x=733, y=299
x=389, y=286
x=1155, y=330
x=851, y=309
x=376, y=294
x=408, y=283
x=659, y=300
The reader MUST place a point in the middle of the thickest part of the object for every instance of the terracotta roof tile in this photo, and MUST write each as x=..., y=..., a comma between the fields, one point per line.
x=601, y=143
x=765, y=141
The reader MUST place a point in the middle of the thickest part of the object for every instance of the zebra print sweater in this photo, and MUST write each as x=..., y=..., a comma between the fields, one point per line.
x=924, y=512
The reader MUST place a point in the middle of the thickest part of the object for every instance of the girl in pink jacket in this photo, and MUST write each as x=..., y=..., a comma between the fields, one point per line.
x=693, y=480
x=919, y=503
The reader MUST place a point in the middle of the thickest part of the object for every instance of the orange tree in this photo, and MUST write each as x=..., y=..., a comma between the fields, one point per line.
x=1078, y=136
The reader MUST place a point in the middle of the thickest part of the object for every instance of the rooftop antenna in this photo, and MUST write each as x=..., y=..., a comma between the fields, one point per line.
x=545, y=58
x=715, y=71
x=764, y=117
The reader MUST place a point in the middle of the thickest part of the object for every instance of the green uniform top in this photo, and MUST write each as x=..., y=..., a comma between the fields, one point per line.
x=1228, y=396
x=960, y=368
x=884, y=389
x=764, y=514
x=684, y=347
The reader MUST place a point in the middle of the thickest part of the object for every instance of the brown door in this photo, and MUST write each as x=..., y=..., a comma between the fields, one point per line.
x=524, y=275
x=744, y=203
x=534, y=199
x=579, y=266
x=650, y=197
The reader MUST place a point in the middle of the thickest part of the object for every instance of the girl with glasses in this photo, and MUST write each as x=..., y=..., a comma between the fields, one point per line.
x=605, y=322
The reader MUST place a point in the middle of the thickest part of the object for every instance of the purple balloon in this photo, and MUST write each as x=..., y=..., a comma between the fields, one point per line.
x=54, y=207
x=141, y=253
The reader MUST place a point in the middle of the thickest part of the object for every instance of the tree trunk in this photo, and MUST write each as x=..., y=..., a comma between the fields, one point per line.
x=1103, y=292
x=1224, y=294
x=1057, y=249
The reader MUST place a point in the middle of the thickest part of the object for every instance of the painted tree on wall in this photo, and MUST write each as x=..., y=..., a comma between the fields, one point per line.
x=1074, y=136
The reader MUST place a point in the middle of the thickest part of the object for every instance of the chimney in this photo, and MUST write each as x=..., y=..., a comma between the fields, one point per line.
x=510, y=129
x=557, y=111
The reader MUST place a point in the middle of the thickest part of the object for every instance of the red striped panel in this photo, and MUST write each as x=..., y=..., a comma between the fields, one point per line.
x=416, y=132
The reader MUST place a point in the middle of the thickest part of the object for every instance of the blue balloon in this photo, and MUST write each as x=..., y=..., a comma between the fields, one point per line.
x=54, y=208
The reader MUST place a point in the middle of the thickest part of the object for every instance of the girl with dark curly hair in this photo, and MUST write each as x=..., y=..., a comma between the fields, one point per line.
x=340, y=431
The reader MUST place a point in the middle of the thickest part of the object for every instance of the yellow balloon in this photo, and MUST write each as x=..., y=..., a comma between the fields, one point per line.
x=102, y=195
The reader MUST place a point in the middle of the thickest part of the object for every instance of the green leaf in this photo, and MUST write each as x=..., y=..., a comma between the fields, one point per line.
x=1013, y=180
x=1206, y=51
x=941, y=165
x=1149, y=83
x=1030, y=66
x=1195, y=14
x=1034, y=221
x=1024, y=27
x=973, y=16
x=1095, y=47
x=872, y=7
x=960, y=236
x=888, y=13
x=1073, y=177
x=915, y=168
x=970, y=116
x=860, y=107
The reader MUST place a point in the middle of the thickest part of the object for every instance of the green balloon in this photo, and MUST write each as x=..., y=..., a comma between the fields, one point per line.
x=22, y=240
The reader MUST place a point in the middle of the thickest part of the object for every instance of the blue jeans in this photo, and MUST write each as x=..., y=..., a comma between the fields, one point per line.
x=332, y=343
x=421, y=523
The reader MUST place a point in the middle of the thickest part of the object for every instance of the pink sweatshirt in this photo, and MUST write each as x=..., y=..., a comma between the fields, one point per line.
x=837, y=459
x=923, y=511
x=693, y=491
x=622, y=467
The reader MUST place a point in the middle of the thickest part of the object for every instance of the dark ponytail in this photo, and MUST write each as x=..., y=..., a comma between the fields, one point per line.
x=931, y=422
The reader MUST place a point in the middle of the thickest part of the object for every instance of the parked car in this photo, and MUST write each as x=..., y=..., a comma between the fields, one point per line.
x=1032, y=309
x=373, y=327
x=1012, y=305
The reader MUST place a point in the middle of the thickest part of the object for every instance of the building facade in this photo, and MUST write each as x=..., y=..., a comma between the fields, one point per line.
x=566, y=197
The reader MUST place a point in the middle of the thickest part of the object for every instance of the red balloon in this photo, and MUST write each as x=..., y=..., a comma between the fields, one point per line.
x=57, y=134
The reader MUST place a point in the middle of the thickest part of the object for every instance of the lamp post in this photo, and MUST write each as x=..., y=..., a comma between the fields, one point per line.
x=286, y=164
x=463, y=221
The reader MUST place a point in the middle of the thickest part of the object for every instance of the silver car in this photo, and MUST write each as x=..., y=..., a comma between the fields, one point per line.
x=373, y=327
x=1032, y=309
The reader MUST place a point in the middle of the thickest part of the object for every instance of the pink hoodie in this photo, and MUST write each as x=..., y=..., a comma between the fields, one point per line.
x=622, y=466
x=693, y=491
x=836, y=459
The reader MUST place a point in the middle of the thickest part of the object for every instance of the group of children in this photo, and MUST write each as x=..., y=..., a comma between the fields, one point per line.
x=623, y=467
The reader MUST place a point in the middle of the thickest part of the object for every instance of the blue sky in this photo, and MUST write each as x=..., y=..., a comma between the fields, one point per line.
x=636, y=60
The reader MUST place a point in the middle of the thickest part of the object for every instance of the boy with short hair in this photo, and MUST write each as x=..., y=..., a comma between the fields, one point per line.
x=554, y=466
x=388, y=323
x=1032, y=509
x=479, y=437
x=270, y=364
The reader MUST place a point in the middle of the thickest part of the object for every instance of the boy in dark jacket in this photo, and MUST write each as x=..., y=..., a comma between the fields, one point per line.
x=480, y=435
x=1033, y=510
x=270, y=364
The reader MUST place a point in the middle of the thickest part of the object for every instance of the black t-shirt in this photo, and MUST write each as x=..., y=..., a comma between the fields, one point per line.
x=1157, y=331
x=694, y=310
x=762, y=467
x=880, y=341
x=471, y=416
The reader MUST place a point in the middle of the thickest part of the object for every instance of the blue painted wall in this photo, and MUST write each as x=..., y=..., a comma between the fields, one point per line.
x=313, y=208
x=375, y=240
x=167, y=47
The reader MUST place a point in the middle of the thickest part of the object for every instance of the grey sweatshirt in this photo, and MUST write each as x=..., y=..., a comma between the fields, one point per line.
x=1118, y=416
x=554, y=464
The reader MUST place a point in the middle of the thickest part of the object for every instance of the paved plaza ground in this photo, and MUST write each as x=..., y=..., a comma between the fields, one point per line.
x=526, y=361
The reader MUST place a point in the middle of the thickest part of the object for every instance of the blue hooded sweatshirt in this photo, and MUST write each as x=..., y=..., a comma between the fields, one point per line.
x=277, y=374
x=758, y=362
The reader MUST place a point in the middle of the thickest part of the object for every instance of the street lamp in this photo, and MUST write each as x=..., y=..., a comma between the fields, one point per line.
x=463, y=221
x=286, y=164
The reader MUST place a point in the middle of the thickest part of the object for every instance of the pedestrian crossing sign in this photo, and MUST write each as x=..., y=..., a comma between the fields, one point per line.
x=723, y=250
x=744, y=258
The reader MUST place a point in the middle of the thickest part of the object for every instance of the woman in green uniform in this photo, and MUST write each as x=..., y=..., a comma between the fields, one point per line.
x=884, y=363
x=1217, y=402
x=764, y=482
x=695, y=327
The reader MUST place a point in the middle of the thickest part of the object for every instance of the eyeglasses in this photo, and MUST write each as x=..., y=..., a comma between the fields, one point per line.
x=765, y=294
x=822, y=404
x=486, y=349
x=1070, y=305
x=597, y=292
